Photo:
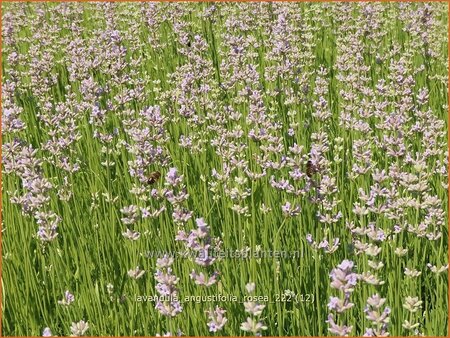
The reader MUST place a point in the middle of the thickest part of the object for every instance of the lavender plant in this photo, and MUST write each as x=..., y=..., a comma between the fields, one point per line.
x=158, y=156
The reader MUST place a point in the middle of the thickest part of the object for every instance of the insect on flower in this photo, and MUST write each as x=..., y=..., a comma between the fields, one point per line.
x=311, y=168
x=153, y=177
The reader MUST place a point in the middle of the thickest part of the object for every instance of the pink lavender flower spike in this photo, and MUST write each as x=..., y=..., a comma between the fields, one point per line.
x=217, y=320
x=343, y=279
x=168, y=304
x=46, y=332
x=68, y=299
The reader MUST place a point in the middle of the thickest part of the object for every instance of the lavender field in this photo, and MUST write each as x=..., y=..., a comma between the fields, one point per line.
x=224, y=169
